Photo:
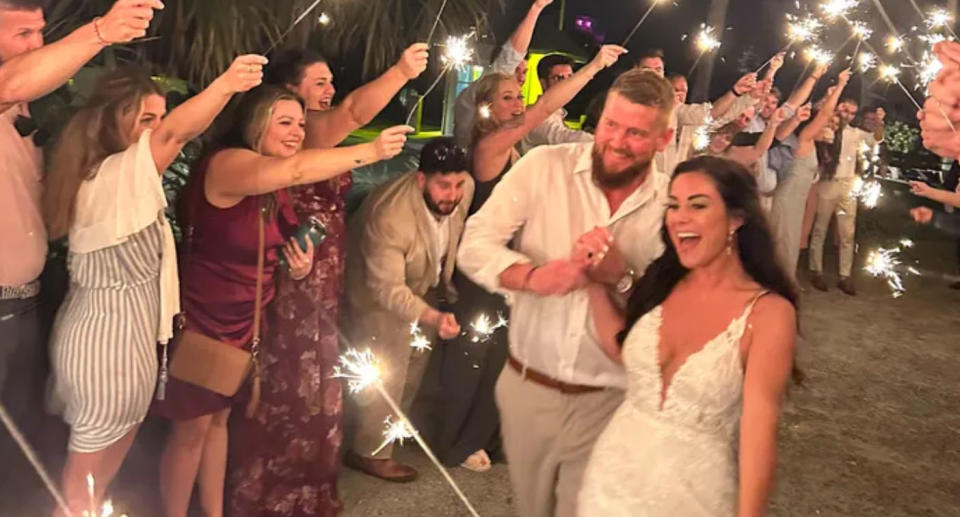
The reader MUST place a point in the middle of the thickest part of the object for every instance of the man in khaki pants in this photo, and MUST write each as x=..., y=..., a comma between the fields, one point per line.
x=559, y=389
x=835, y=192
x=402, y=249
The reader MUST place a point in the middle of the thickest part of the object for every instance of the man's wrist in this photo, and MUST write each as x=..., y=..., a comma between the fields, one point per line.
x=528, y=278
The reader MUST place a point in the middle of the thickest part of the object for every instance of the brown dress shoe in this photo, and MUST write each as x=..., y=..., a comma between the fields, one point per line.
x=387, y=470
x=846, y=285
x=816, y=280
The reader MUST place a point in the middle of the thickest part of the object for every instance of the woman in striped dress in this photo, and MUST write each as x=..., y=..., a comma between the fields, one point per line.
x=104, y=193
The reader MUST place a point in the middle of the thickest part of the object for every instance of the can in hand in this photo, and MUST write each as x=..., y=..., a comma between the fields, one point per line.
x=312, y=229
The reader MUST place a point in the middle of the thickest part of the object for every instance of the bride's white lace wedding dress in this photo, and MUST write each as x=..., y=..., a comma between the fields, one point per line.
x=677, y=459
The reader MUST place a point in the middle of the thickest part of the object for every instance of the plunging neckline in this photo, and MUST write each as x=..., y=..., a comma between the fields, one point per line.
x=665, y=387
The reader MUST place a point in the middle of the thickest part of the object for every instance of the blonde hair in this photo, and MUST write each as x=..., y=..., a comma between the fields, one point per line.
x=101, y=128
x=484, y=96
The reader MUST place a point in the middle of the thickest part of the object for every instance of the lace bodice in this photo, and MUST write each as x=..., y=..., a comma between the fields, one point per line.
x=677, y=459
x=704, y=394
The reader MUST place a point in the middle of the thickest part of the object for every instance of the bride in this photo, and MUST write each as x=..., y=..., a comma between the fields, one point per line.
x=708, y=343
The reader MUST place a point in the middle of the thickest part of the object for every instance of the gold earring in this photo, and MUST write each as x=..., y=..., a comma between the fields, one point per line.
x=730, y=242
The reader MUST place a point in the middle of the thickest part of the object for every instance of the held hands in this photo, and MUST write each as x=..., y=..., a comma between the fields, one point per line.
x=127, y=20
x=414, y=60
x=445, y=323
x=940, y=111
x=922, y=215
x=606, y=57
x=300, y=261
x=244, y=74
x=557, y=277
x=598, y=254
x=390, y=142
x=745, y=84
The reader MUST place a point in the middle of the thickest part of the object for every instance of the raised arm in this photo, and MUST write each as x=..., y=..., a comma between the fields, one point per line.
x=554, y=99
x=801, y=115
x=769, y=361
x=743, y=86
x=194, y=116
x=237, y=173
x=826, y=111
x=520, y=39
x=751, y=155
x=326, y=129
x=802, y=94
x=775, y=65
x=945, y=197
x=21, y=80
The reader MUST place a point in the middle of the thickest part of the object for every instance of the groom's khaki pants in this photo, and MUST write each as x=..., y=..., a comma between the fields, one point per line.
x=548, y=437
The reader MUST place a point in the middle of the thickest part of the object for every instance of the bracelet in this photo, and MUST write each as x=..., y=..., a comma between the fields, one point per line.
x=96, y=30
x=734, y=92
x=526, y=279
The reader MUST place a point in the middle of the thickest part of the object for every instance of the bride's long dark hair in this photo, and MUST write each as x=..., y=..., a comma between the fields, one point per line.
x=738, y=188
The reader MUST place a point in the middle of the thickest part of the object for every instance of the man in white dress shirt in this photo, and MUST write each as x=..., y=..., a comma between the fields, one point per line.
x=512, y=60
x=552, y=70
x=559, y=390
x=835, y=192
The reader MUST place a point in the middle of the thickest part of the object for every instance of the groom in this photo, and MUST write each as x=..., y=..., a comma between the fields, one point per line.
x=559, y=390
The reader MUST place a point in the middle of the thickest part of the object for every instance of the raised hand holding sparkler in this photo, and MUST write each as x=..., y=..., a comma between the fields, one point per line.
x=457, y=54
x=126, y=21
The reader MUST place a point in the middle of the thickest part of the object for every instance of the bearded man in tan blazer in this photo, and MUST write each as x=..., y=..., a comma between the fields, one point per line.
x=402, y=250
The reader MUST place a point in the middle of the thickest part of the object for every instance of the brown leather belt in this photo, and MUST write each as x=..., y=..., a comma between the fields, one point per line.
x=547, y=381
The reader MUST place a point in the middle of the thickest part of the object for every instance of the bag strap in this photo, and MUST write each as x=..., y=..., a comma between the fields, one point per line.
x=258, y=297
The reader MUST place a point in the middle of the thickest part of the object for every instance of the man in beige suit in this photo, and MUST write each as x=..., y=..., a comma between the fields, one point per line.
x=402, y=250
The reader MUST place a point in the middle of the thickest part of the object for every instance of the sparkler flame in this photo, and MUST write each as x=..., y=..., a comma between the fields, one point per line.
x=930, y=66
x=802, y=30
x=938, y=18
x=360, y=369
x=706, y=40
x=869, y=192
x=483, y=327
x=866, y=61
x=890, y=73
x=457, y=53
x=884, y=263
x=818, y=55
x=861, y=30
x=895, y=43
x=324, y=19
x=838, y=8
x=420, y=342
x=701, y=138
x=395, y=432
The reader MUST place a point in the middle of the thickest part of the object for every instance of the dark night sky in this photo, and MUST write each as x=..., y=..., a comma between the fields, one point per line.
x=754, y=31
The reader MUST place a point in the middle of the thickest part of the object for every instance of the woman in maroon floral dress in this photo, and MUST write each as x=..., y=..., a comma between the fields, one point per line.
x=286, y=461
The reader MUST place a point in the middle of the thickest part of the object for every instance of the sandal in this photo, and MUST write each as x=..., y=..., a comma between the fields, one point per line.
x=477, y=462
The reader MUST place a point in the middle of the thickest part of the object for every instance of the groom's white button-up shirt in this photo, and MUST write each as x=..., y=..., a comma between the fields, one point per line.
x=547, y=201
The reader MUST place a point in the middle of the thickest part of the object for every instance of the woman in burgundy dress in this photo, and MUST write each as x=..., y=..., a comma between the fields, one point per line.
x=229, y=190
x=286, y=464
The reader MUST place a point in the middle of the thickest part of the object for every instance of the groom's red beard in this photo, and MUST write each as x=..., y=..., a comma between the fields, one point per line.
x=609, y=179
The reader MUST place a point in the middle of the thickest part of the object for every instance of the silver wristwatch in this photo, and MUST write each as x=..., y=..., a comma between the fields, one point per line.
x=627, y=281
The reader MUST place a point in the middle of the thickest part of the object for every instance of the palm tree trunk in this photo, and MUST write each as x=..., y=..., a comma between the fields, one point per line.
x=717, y=18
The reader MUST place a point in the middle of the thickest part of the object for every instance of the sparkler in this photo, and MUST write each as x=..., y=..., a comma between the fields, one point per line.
x=884, y=263
x=838, y=8
x=706, y=42
x=483, y=327
x=436, y=22
x=701, y=138
x=457, y=54
x=31, y=456
x=395, y=432
x=866, y=61
x=296, y=22
x=362, y=370
x=639, y=23
x=869, y=192
x=895, y=43
x=419, y=342
x=938, y=18
x=816, y=54
x=323, y=19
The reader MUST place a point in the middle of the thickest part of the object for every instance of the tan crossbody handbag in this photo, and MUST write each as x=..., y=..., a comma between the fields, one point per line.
x=217, y=366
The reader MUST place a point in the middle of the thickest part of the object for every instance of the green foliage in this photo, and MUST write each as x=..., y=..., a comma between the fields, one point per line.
x=901, y=138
